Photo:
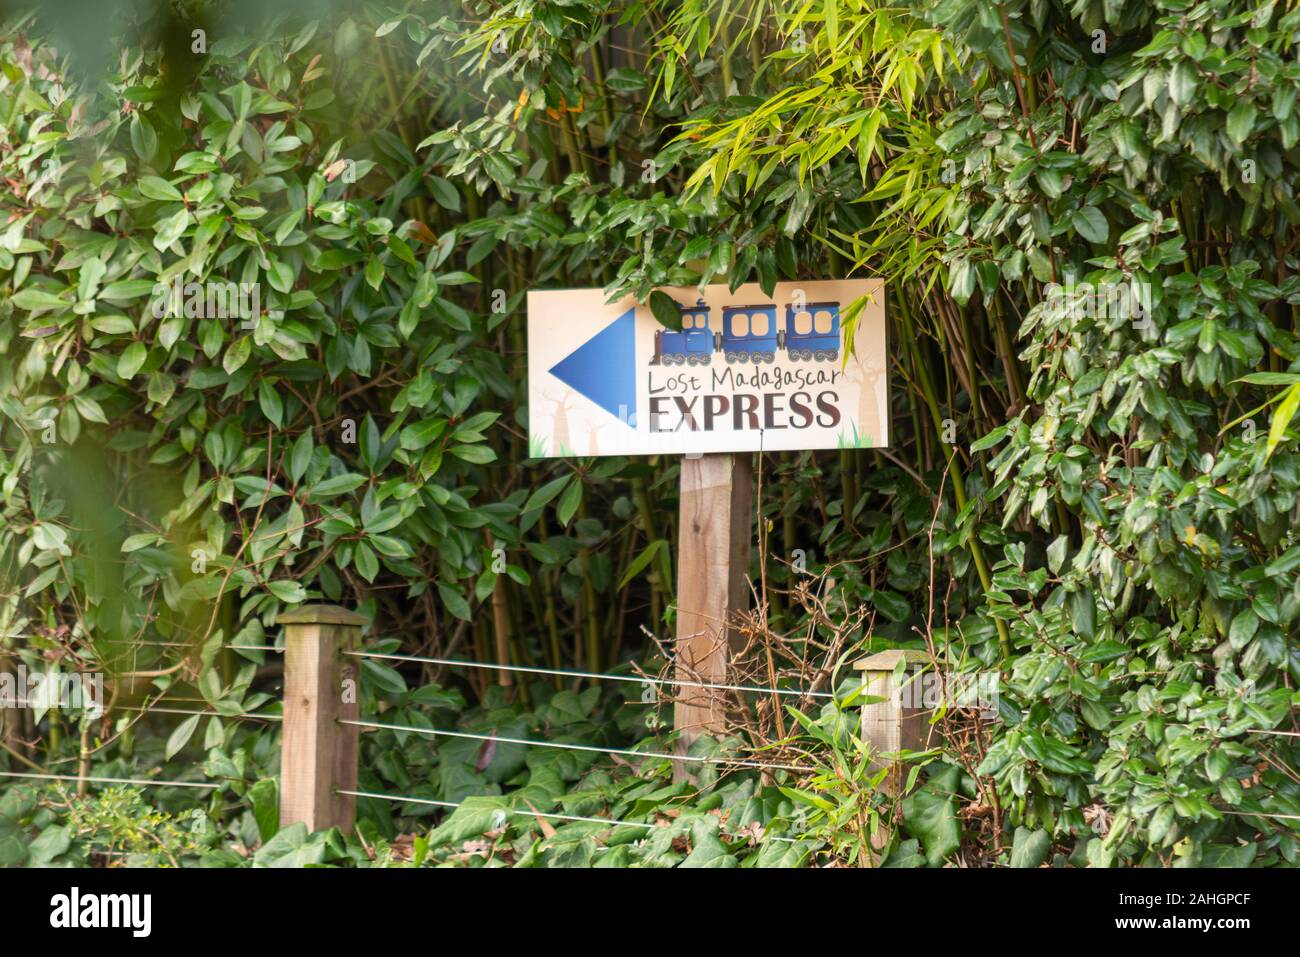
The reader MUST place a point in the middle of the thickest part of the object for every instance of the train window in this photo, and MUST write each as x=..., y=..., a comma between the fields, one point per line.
x=760, y=324
x=802, y=322
x=688, y=321
x=740, y=324
x=823, y=322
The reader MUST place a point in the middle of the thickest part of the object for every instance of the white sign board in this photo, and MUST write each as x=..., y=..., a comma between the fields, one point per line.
x=747, y=372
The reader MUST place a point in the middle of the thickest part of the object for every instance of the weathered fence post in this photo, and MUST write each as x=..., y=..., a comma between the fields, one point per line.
x=318, y=754
x=890, y=726
x=893, y=724
x=716, y=519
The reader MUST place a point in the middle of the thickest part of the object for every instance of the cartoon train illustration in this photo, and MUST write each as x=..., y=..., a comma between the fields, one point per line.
x=750, y=334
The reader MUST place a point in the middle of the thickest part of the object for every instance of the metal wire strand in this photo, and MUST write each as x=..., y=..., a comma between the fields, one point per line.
x=518, y=810
x=140, y=782
x=738, y=762
x=210, y=714
x=508, y=810
x=568, y=673
x=562, y=672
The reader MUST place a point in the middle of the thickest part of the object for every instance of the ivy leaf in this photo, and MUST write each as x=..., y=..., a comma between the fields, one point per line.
x=289, y=592
x=143, y=139
x=265, y=799
x=666, y=310
x=894, y=606
x=155, y=187
x=131, y=359
x=543, y=495
x=569, y=503
x=170, y=229
x=270, y=402
x=1030, y=848
x=710, y=852
x=293, y=847
x=642, y=560
x=51, y=842
x=1282, y=417
x=366, y=561
x=181, y=736
x=455, y=602
x=1090, y=224
x=1241, y=121
x=478, y=454
x=444, y=194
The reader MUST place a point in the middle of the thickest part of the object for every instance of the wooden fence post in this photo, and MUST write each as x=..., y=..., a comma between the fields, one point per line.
x=716, y=520
x=11, y=715
x=889, y=726
x=318, y=755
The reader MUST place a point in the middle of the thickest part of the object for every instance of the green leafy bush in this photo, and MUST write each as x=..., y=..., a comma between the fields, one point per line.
x=1085, y=214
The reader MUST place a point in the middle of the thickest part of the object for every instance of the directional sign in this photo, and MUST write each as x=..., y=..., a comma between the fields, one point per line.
x=745, y=372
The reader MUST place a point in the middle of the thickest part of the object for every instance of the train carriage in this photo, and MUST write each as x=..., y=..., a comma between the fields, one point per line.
x=693, y=345
x=812, y=331
x=749, y=333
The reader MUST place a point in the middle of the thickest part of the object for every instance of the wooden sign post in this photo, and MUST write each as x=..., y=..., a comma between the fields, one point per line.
x=747, y=371
x=716, y=527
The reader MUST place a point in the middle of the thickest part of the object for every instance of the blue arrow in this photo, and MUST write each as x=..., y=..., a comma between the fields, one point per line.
x=604, y=368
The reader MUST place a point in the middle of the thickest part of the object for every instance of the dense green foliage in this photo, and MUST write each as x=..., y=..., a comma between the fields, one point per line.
x=1095, y=504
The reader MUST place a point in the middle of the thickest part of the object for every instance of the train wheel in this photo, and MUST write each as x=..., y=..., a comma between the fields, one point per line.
x=731, y=358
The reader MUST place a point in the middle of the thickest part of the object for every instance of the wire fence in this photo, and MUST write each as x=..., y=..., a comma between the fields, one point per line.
x=242, y=716
x=727, y=761
x=565, y=673
x=599, y=676
x=530, y=812
x=91, y=779
x=624, y=752
x=643, y=680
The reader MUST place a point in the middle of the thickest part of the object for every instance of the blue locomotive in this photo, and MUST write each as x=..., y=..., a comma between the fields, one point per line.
x=694, y=345
x=750, y=334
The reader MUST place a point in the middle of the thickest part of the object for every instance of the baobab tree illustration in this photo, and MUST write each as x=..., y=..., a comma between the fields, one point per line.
x=867, y=372
x=560, y=422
